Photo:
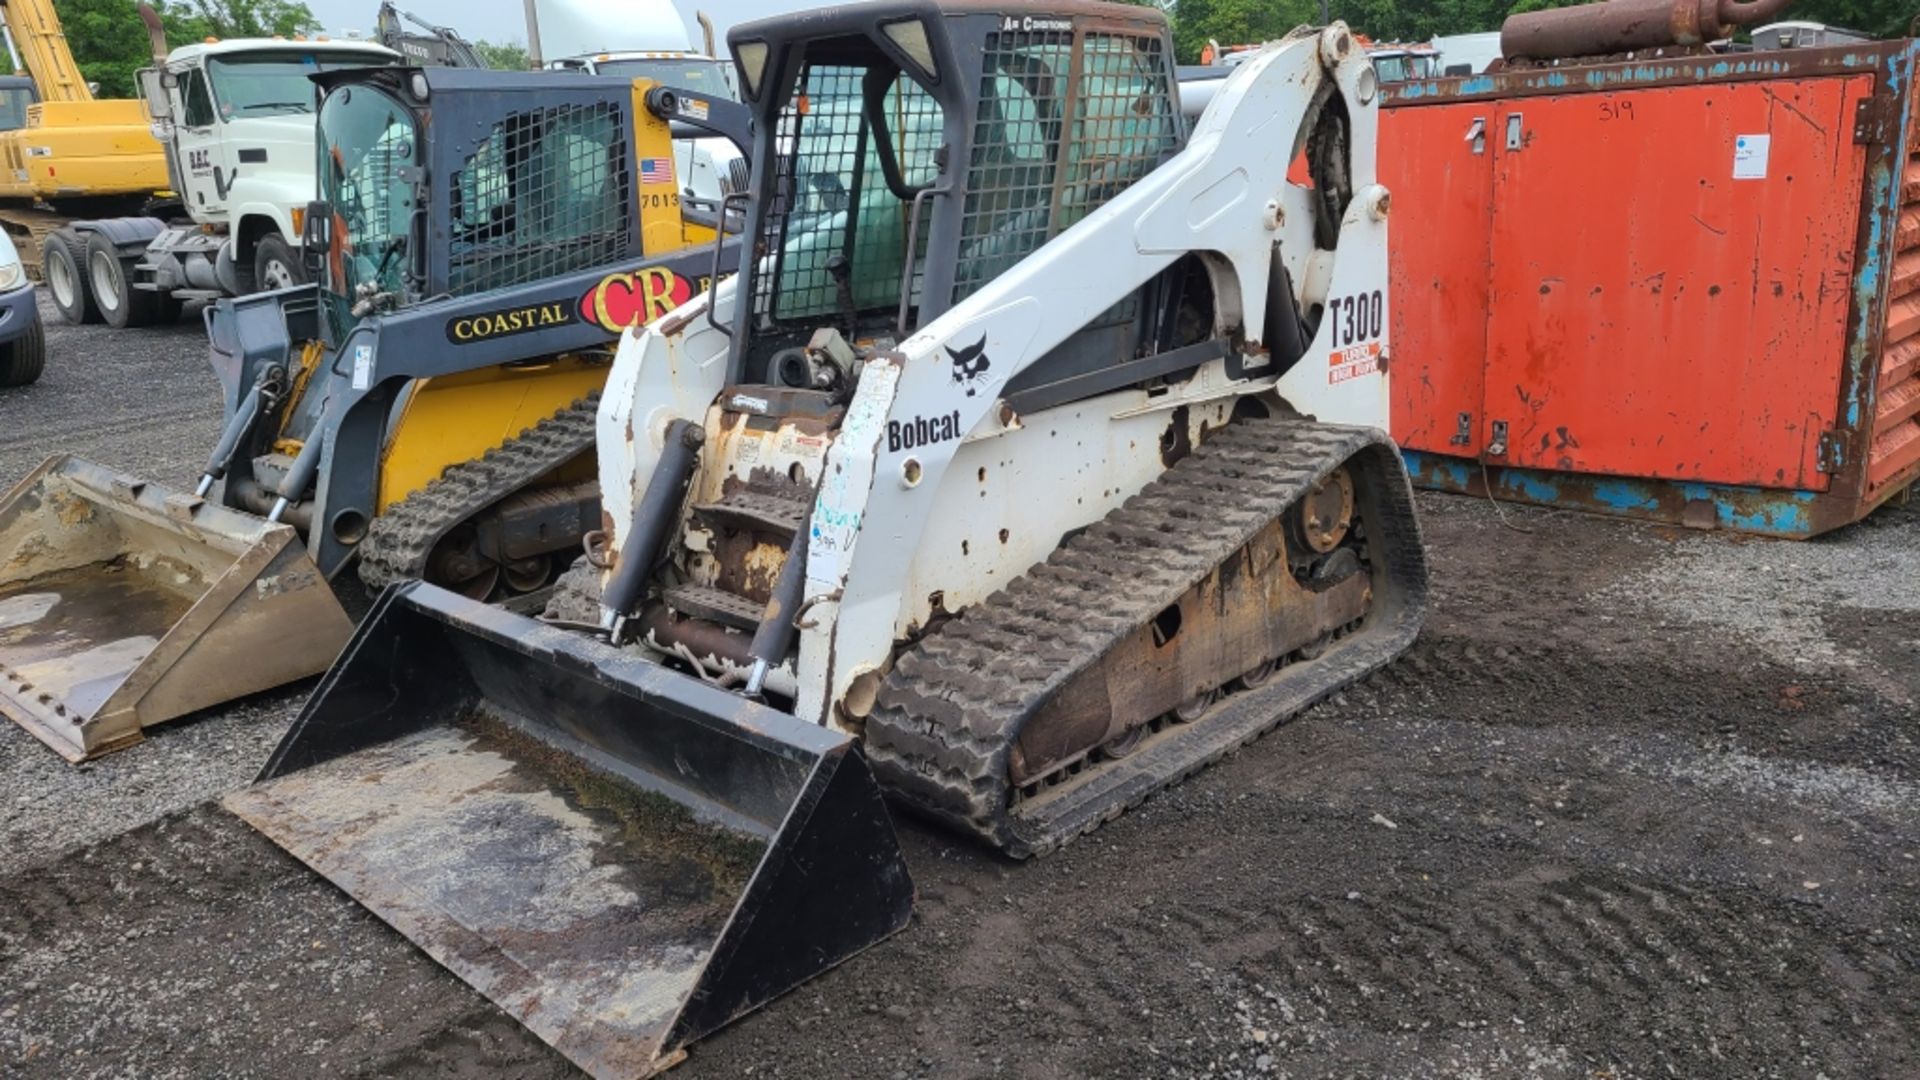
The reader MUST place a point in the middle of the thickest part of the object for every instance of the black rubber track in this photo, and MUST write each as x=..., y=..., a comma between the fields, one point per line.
x=400, y=541
x=950, y=711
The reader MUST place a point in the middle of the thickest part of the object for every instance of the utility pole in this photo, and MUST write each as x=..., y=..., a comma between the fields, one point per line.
x=533, y=33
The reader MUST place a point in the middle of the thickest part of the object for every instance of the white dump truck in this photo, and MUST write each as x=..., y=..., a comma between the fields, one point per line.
x=236, y=121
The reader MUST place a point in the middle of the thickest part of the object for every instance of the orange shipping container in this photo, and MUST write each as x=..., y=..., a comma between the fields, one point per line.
x=1662, y=288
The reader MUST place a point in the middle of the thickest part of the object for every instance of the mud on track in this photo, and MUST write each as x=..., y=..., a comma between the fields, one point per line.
x=1639, y=804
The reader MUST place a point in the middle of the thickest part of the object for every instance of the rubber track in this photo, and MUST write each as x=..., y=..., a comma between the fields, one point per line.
x=399, y=541
x=949, y=712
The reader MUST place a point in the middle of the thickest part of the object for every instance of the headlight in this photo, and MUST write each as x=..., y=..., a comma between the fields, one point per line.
x=11, y=272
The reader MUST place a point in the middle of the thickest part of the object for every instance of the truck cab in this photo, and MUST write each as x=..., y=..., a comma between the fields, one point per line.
x=236, y=118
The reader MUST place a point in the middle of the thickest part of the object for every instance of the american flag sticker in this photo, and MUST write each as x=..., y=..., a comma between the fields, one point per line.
x=656, y=170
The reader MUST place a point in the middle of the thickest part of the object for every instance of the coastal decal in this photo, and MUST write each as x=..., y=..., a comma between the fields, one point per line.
x=468, y=329
x=638, y=297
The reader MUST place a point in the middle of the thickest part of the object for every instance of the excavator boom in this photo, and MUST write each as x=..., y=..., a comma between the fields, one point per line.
x=37, y=43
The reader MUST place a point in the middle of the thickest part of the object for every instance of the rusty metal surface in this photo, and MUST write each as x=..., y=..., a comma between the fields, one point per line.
x=1890, y=58
x=1687, y=323
x=1813, y=392
x=1438, y=164
x=1617, y=26
x=124, y=604
x=1249, y=610
x=584, y=909
x=1787, y=515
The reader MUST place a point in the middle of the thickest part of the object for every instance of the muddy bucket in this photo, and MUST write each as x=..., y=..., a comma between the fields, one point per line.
x=622, y=857
x=125, y=603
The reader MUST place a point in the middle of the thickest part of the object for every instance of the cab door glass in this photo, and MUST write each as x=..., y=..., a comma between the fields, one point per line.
x=196, y=100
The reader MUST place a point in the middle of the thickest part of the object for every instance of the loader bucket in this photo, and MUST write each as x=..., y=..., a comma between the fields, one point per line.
x=125, y=603
x=622, y=857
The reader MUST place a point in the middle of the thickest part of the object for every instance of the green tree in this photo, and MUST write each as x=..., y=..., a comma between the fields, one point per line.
x=1235, y=22
x=110, y=43
x=192, y=20
x=107, y=40
x=511, y=56
x=1247, y=21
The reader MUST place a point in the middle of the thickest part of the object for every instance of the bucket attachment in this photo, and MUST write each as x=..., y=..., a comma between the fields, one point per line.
x=125, y=603
x=622, y=857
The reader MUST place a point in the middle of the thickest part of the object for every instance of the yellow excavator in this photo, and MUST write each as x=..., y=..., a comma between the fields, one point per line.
x=67, y=154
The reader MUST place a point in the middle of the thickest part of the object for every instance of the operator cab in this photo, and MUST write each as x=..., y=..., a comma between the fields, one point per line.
x=16, y=94
x=890, y=130
x=709, y=167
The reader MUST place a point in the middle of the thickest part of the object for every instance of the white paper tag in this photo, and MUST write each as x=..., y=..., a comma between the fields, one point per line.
x=1750, y=156
x=362, y=366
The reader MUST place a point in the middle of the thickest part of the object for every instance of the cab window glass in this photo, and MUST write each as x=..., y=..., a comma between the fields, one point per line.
x=199, y=103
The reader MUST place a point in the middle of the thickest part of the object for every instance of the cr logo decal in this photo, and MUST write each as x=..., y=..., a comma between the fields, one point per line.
x=623, y=300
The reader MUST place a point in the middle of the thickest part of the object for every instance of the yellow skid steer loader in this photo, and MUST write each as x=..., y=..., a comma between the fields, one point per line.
x=427, y=412
x=1030, y=461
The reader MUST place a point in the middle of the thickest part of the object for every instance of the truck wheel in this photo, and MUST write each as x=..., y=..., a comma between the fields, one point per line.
x=22, y=359
x=275, y=266
x=61, y=257
x=110, y=279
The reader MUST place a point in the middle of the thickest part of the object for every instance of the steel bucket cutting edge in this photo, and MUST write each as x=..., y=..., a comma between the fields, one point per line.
x=125, y=603
x=622, y=857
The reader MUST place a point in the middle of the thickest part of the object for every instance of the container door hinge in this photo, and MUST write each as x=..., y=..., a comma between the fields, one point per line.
x=1875, y=118
x=1831, y=454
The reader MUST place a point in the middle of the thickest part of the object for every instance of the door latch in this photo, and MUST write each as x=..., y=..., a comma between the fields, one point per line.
x=1513, y=131
x=1463, y=434
x=1498, y=447
x=1477, y=134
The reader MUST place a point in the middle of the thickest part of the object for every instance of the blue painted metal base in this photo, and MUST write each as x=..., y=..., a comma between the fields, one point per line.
x=1789, y=514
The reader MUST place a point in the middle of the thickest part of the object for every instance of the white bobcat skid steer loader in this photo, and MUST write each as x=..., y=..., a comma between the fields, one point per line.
x=1031, y=462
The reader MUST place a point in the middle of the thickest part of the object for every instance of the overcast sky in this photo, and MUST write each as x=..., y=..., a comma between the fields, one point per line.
x=501, y=21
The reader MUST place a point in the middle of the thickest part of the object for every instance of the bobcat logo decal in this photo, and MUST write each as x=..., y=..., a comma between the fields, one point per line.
x=970, y=364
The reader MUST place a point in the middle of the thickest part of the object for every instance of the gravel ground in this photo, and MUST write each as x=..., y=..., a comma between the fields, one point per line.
x=146, y=403
x=1640, y=803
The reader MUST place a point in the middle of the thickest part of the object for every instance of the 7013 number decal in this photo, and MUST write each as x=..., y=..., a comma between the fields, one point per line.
x=1357, y=318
